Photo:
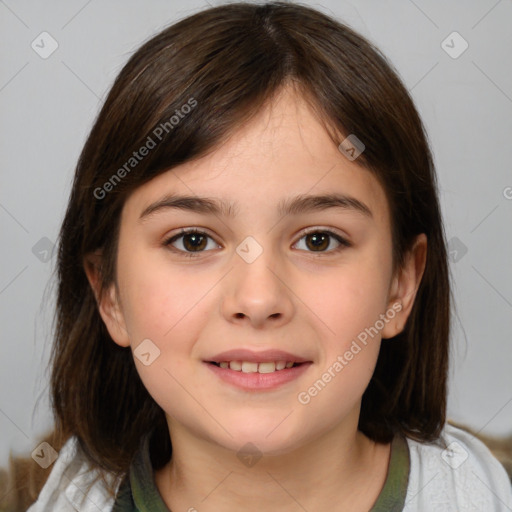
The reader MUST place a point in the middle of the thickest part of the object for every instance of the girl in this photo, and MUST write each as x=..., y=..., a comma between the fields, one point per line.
x=254, y=302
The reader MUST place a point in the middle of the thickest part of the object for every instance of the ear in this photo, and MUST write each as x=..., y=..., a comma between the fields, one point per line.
x=405, y=285
x=107, y=300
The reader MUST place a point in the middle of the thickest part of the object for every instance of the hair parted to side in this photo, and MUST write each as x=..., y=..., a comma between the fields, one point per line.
x=232, y=60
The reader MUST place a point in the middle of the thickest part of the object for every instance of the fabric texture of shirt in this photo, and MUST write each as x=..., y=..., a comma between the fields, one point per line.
x=456, y=473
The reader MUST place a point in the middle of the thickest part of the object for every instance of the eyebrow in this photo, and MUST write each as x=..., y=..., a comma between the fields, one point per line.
x=292, y=206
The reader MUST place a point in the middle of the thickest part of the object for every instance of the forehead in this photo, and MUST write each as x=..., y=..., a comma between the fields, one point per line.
x=284, y=151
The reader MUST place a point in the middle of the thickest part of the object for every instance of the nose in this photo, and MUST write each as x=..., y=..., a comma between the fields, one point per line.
x=258, y=293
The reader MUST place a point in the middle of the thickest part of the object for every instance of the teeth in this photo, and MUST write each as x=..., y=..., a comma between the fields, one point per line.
x=267, y=367
x=250, y=367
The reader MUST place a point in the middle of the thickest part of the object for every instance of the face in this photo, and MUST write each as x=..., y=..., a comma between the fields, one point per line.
x=274, y=272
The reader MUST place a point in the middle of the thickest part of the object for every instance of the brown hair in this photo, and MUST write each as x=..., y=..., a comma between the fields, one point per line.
x=231, y=60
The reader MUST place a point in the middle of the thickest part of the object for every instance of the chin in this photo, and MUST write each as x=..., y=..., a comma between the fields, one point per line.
x=268, y=441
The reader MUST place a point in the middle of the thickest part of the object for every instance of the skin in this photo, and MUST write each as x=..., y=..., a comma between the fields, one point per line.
x=310, y=303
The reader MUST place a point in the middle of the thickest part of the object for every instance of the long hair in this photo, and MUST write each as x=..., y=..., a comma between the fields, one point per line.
x=225, y=63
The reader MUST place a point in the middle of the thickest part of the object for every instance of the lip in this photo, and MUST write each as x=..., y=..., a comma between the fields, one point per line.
x=259, y=381
x=265, y=356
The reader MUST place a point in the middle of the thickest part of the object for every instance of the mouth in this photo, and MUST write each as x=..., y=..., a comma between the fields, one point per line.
x=250, y=370
x=256, y=367
x=253, y=376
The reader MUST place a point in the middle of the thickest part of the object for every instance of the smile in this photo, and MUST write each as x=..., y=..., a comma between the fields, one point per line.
x=256, y=377
x=252, y=367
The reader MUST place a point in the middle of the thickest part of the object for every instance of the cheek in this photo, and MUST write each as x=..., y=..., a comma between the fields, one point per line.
x=170, y=308
x=349, y=304
x=171, y=311
x=349, y=301
x=158, y=298
x=349, y=353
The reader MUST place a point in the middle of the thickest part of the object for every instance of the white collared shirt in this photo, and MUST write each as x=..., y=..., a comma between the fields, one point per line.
x=456, y=473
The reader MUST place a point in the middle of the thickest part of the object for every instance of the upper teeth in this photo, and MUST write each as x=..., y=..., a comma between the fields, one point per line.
x=250, y=367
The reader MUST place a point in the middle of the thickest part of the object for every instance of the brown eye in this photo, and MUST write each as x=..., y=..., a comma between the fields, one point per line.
x=190, y=242
x=317, y=241
x=322, y=241
x=194, y=242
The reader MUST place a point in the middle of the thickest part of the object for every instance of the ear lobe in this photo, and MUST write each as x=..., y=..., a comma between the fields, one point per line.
x=107, y=300
x=405, y=286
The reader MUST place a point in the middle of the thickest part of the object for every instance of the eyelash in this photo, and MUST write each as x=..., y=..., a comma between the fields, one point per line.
x=343, y=243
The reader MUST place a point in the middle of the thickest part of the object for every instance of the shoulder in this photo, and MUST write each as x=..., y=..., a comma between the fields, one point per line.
x=456, y=473
x=73, y=485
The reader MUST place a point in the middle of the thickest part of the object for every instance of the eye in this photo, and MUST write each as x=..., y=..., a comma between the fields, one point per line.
x=191, y=241
x=322, y=241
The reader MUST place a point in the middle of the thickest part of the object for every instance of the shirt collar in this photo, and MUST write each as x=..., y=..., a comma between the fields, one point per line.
x=138, y=492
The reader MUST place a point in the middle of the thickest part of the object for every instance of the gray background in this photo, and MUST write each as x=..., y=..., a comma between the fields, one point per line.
x=48, y=106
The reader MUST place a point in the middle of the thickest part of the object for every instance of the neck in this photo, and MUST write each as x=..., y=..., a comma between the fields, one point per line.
x=336, y=471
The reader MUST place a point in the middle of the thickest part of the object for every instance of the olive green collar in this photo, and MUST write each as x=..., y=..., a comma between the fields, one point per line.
x=138, y=491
